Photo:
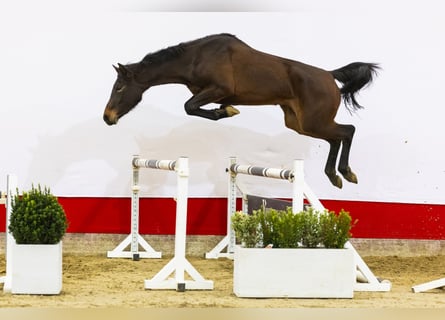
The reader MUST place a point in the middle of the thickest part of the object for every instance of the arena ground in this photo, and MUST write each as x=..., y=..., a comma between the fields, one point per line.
x=90, y=279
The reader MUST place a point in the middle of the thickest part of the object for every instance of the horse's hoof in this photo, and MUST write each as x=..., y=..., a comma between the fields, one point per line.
x=336, y=181
x=231, y=111
x=350, y=176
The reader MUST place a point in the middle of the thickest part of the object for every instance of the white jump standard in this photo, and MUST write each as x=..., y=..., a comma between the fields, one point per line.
x=11, y=185
x=366, y=280
x=134, y=239
x=178, y=264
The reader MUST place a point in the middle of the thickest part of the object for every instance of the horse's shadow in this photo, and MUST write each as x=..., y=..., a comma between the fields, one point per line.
x=92, y=159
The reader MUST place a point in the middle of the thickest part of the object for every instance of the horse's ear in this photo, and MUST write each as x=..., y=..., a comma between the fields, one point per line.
x=123, y=71
x=116, y=68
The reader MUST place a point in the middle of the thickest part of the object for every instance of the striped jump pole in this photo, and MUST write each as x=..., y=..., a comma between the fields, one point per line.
x=274, y=173
x=154, y=164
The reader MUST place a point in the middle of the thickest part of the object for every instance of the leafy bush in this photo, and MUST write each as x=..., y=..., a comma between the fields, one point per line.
x=278, y=227
x=310, y=228
x=37, y=217
x=335, y=229
x=246, y=229
x=283, y=229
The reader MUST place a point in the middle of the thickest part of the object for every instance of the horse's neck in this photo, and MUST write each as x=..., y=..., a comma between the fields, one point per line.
x=173, y=71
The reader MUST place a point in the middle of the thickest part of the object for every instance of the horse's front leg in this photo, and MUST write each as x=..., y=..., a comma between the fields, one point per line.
x=230, y=110
x=211, y=95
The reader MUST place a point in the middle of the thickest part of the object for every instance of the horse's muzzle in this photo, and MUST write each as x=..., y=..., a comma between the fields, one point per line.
x=110, y=117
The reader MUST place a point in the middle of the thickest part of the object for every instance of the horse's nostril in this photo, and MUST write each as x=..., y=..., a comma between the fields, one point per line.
x=108, y=120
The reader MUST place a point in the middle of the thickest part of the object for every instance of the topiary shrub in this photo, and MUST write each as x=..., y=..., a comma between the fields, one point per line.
x=37, y=217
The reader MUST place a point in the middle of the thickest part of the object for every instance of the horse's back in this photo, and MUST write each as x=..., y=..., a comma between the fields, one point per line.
x=259, y=77
x=279, y=77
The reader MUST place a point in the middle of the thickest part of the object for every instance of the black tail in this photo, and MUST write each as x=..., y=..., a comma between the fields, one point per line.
x=354, y=77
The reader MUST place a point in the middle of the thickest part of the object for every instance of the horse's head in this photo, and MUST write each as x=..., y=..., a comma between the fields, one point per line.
x=125, y=95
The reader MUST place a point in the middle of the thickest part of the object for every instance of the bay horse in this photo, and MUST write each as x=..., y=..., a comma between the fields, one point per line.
x=223, y=69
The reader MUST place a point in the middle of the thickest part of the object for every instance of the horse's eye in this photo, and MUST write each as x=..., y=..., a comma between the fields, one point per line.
x=120, y=89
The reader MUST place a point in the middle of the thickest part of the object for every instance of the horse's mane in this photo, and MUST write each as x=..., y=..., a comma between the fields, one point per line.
x=164, y=54
x=169, y=53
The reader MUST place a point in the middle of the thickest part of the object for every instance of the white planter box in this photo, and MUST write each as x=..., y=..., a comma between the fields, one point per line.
x=293, y=273
x=36, y=269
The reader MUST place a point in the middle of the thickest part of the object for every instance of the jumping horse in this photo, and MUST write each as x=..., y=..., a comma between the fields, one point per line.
x=223, y=69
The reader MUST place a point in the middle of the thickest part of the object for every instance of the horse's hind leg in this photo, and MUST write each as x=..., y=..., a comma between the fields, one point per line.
x=343, y=165
x=335, y=134
x=339, y=134
x=330, y=163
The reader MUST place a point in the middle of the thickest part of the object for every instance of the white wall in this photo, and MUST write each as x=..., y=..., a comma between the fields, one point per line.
x=56, y=78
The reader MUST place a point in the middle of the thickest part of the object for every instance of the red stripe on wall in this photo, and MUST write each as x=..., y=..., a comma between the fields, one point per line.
x=207, y=216
x=389, y=220
x=156, y=215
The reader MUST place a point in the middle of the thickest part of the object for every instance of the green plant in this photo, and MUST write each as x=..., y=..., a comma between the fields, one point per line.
x=37, y=217
x=310, y=228
x=284, y=229
x=246, y=229
x=279, y=227
x=335, y=228
x=267, y=220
